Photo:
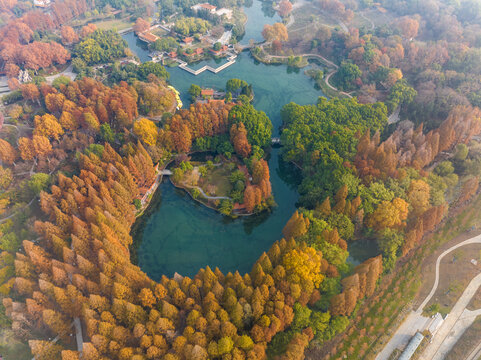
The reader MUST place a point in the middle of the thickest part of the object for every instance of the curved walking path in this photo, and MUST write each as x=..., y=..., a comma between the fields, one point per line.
x=474, y=240
x=326, y=61
x=205, y=195
x=417, y=322
x=68, y=72
x=366, y=18
x=17, y=212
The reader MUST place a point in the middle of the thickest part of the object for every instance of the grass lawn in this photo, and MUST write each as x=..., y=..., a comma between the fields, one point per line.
x=218, y=178
x=16, y=351
x=111, y=24
x=360, y=21
x=159, y=32
x=310, y=14
x=379, y=18
x=11, y=349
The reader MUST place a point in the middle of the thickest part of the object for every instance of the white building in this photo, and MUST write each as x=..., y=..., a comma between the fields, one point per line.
x=205, y=6
x=213, y=10
x=436, y=322
x=224, y=11
x=24, y=77
x=42, y=3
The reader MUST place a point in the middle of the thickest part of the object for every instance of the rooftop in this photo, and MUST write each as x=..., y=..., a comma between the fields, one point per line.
x=207, y=92
x=148, y=37
x=205, y=6
x=41, y=3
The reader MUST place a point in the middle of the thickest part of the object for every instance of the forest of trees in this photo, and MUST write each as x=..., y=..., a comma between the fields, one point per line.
x=434, y=45
x=85, y=158
x=190, y=26
x=79, y=267
x=377, y=188
x=101, y=47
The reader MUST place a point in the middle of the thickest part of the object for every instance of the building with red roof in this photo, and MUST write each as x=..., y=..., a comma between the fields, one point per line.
x=148, y=37
x=221, y=51
x=188, y=40
x=205, y=6
x=207, y=92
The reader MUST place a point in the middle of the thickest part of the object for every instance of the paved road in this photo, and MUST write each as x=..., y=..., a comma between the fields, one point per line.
x=68, y=72
x=372, y=23
x=415, y=321
x=404, y=333
x=343, y=26
x=326, y=80
x=394, y=117
x=455, y=324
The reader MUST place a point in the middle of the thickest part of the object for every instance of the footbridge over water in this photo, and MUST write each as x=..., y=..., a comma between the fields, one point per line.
x=276, y=141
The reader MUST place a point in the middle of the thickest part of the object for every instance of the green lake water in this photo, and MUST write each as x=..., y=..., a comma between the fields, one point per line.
x=181, y=235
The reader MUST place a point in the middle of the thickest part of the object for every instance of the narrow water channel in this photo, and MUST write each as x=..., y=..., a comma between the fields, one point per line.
x=182, y=236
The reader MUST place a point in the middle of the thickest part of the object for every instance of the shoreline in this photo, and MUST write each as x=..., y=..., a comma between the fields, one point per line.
x=233, y=216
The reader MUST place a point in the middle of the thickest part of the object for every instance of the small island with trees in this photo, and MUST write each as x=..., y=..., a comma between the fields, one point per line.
x=227, y=186
x=237, y=134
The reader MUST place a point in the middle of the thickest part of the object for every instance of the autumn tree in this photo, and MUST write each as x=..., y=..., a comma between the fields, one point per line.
x=418, y=195
x=389, y=214
x=12, y=70
x=42, y=145
x=296, y=226
x=44, y=350
x=285, y=8
x=6, y=178
x=7, y=152
x=69, y=36
x=30, y=92
x=277, y=31
x=409, y=27
x=249, y=198
x=238, y=135
x=146, y=131
x=87, y=30
x=25, y=146
x=303, y=264
x=140, y=26
x=48, y=126
x=15, y=111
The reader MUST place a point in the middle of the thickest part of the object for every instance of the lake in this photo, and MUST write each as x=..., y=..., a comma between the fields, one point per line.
x=181, y=235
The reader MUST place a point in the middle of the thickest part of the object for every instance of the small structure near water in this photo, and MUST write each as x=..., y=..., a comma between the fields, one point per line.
x=213, y=10
x=148, y=37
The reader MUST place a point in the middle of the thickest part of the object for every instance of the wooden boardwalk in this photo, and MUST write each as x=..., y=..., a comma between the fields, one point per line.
x=184, y=66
